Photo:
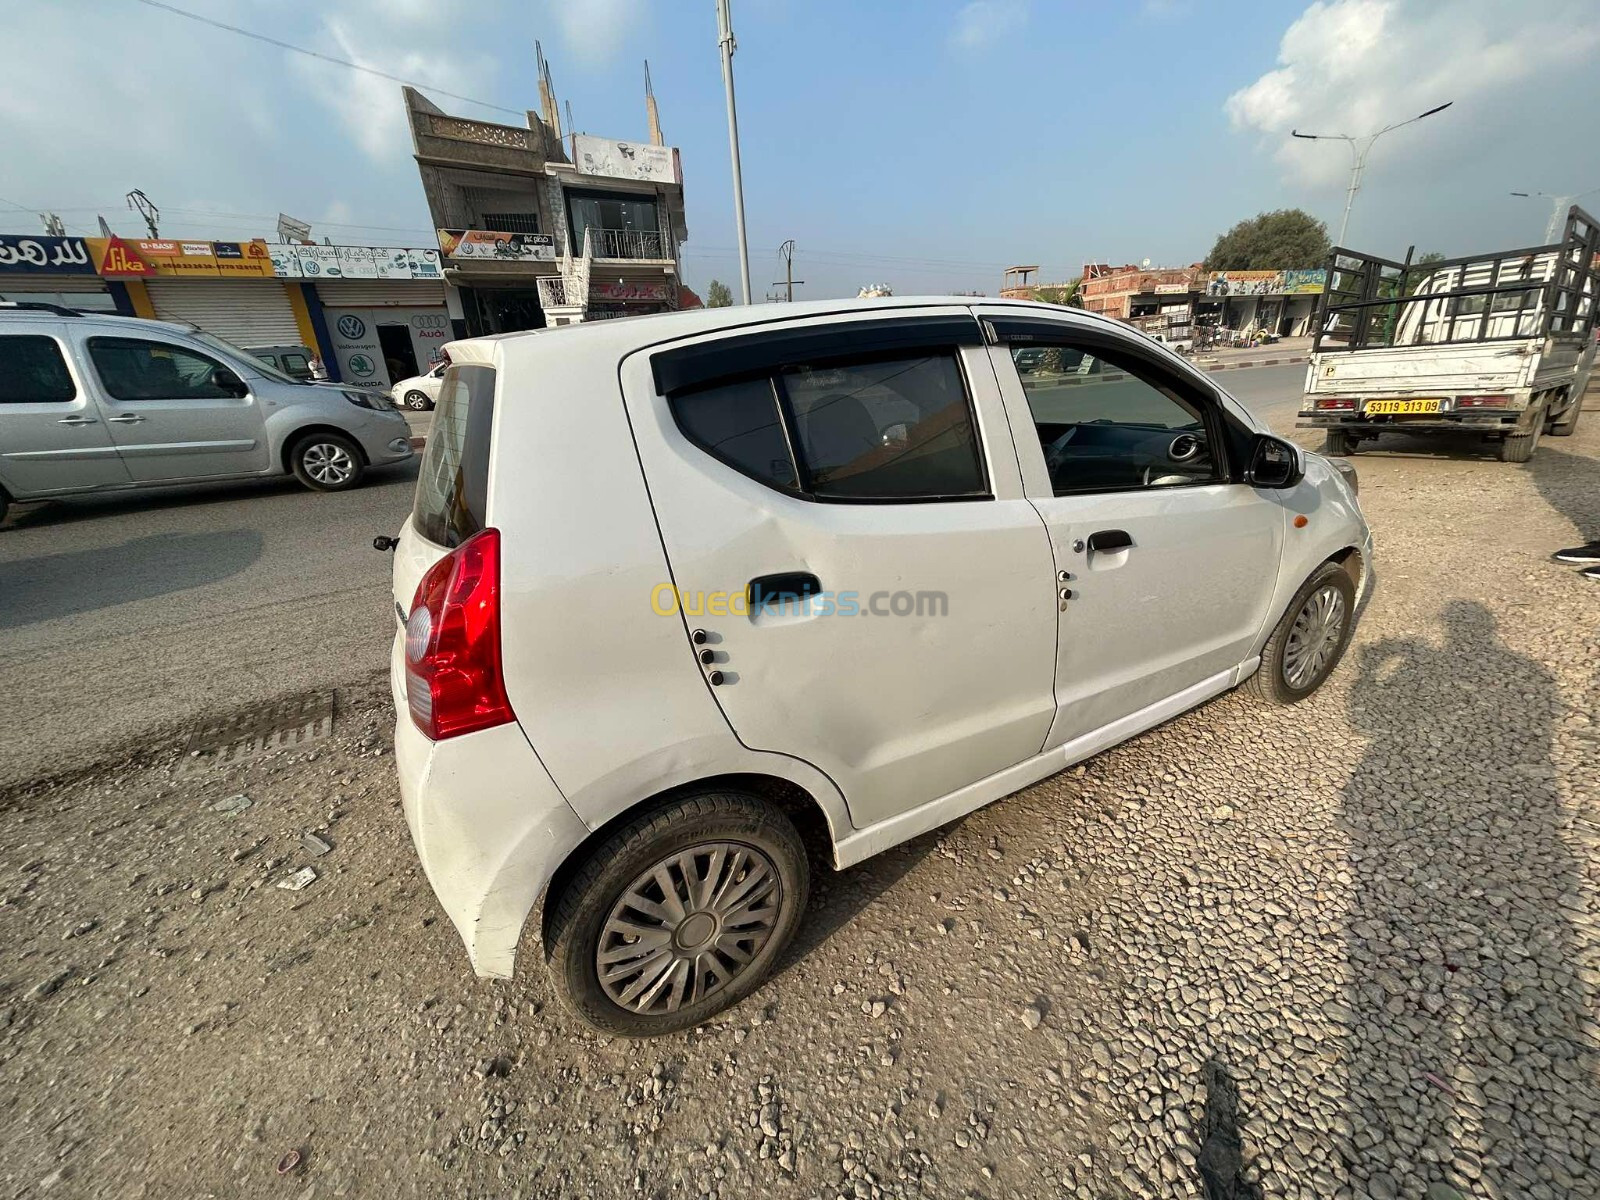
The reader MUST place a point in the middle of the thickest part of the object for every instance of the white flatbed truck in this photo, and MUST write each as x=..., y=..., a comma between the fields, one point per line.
x=1498, y=345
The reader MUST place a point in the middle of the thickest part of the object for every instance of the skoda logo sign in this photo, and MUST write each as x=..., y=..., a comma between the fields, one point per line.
x=360, y=365
x=352, y=327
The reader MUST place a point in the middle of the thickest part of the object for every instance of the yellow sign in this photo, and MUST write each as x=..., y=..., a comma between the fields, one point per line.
x=159, y=258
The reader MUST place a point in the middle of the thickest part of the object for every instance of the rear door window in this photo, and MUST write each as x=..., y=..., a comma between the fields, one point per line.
x=33, y=371
x=453, y=486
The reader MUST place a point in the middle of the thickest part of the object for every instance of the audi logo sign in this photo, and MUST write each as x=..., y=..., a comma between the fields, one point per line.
x=430, y=321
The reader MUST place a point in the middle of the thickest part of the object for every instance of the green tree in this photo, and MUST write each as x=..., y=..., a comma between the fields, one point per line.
x=1067, y=294
x=1287, y=238
x=718, y=295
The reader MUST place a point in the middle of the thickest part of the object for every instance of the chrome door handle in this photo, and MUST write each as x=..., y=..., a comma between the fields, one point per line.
x=78, y=421
x=125, y=419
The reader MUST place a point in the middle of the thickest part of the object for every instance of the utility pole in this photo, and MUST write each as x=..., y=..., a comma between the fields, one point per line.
x=1360, y=147
x=53, y=225
x=1558, y=208
x=727, y=45
x=141, y=204
x=786, y=252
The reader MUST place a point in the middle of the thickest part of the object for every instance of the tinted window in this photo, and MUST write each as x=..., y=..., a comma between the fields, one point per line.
x=1122, y=427
x=134, y=369
x=739, y=423
x=32, y=371
x=892, y=429
x=453, y=484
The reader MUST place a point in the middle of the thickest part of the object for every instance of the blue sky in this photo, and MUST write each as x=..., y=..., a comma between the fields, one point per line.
x=927, y=145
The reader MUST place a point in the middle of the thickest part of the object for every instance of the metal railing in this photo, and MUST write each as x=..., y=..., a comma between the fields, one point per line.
x=554, y=292
x=628, y=243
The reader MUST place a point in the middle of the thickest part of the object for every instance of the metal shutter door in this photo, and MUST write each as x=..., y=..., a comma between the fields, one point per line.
x=379, y=293
x=245, y=312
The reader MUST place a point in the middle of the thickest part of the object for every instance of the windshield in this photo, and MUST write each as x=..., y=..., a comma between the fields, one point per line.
x=245, y=358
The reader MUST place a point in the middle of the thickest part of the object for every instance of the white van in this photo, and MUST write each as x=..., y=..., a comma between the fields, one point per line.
x=682, y=593
x=91, y=402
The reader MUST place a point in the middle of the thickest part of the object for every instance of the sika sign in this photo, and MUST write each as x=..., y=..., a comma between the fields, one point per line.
x=149, y=258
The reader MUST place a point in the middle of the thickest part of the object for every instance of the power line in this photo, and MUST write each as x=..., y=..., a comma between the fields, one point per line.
x=328, y=58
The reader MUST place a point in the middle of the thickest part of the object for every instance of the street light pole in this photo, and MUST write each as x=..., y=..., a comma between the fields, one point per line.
x=726, y=43
x=1360, y=147
x=1558, y=204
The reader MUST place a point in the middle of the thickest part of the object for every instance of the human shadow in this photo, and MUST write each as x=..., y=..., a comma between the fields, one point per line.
x=1570, y=484
x=51, y=586
x=1220, y=1159
x=1464, y=1015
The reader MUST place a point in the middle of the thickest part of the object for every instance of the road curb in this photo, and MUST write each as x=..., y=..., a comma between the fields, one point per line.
x=1287, y=361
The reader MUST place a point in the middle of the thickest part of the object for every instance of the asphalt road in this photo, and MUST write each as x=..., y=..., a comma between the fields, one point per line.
x=124, y=618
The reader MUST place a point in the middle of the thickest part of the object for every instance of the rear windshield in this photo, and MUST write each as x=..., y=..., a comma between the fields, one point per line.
x=453, y=488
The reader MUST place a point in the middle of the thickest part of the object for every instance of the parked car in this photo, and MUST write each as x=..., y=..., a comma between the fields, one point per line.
x=420, y=392
x=93, y=402
x=297, y=362
x=681, y=595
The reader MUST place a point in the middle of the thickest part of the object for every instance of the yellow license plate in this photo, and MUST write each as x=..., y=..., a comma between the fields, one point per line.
x=1396, y=408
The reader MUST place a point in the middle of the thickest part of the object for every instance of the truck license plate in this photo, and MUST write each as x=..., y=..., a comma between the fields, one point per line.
x=1392, y=408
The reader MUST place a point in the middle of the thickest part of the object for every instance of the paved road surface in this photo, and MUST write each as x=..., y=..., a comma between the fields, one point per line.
x=121, y=617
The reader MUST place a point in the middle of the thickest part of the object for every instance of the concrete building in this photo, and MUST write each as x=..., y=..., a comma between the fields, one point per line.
x=537, y=228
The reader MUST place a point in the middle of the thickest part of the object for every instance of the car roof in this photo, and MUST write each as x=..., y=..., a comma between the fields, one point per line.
x=45, y=316
x=623, y=336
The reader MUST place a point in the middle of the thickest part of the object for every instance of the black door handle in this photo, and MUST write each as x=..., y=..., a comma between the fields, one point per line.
x=786, y=587
x=1110, y=539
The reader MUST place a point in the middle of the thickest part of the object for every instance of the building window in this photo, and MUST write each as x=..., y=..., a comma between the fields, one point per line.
x=619, y=224
x=510, y=222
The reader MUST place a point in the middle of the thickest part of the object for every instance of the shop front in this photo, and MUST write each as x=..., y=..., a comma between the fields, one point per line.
x=384, y=331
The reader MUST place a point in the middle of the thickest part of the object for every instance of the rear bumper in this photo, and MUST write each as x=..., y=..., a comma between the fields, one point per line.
x=489, y=825
x=1500, y=420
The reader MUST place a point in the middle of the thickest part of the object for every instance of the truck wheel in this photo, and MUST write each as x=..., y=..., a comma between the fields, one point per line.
x=679, y=914
x=1336, y=443
x=1310, y=639
x=1569, y=422
x=327, y=462
x=1519, y=447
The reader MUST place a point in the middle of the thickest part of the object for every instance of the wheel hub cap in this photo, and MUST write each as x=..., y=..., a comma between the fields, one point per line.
x=327, y=463
x=688, y=926
x=1314, y=637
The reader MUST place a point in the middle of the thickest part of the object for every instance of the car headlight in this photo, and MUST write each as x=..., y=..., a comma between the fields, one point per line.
x=361, y=400
x=1346, y=468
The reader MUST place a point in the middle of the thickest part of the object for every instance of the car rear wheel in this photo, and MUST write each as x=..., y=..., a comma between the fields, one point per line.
x=1519, y=447
x=418, y=401
x=1310, y=639
x=679, y=914
x=327, y=462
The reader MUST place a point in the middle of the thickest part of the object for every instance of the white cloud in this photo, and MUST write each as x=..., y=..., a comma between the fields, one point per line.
x=982, y=23
x=1354, y=66
x=594, y=31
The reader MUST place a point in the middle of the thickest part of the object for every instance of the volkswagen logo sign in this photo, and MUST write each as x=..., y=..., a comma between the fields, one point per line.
x=352, y=327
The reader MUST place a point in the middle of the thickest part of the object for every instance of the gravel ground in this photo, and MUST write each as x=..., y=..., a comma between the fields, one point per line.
x=1348, y=949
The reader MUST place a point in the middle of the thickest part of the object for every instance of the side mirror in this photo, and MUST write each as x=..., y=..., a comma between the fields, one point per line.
x=226, y=381
x=1274, y=463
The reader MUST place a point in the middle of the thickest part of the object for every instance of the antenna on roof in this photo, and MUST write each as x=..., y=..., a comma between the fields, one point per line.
x=650, y=108
x=548, y=108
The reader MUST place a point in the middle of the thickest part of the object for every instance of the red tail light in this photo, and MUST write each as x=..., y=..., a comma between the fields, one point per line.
x=1483, y=401
x=1336, y=403
x=454, y=683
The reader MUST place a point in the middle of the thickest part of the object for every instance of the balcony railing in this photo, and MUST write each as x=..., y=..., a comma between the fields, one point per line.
x=629, y=243
x=554, y=292
x=482, y=132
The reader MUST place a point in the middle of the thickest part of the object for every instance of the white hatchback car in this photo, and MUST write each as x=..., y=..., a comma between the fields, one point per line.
x=680, y=595
x=420, y=392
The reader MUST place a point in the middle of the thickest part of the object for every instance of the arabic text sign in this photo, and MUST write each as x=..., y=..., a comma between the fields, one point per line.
x=291, y=261
x=630, y=291
x=23, y=255
x=504, y=247
x=625, y=160
x=1266, y=283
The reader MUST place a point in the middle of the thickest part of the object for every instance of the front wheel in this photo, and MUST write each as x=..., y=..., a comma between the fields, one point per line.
x=679, y=914
x=327, y=462
x=418, y=401
x=1310, y=639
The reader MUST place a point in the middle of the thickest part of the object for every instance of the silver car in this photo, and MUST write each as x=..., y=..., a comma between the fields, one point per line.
x=90, y=403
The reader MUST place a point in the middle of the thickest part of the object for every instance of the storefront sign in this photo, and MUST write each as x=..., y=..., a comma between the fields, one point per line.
x=358, y=345
x=291, y=261
x=22, y=255
x=356, y=262
x=1266, y=283
x=146, y=258
x=626, y=160
x=486, y=244
x=630, y=291
x=1167, y=289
